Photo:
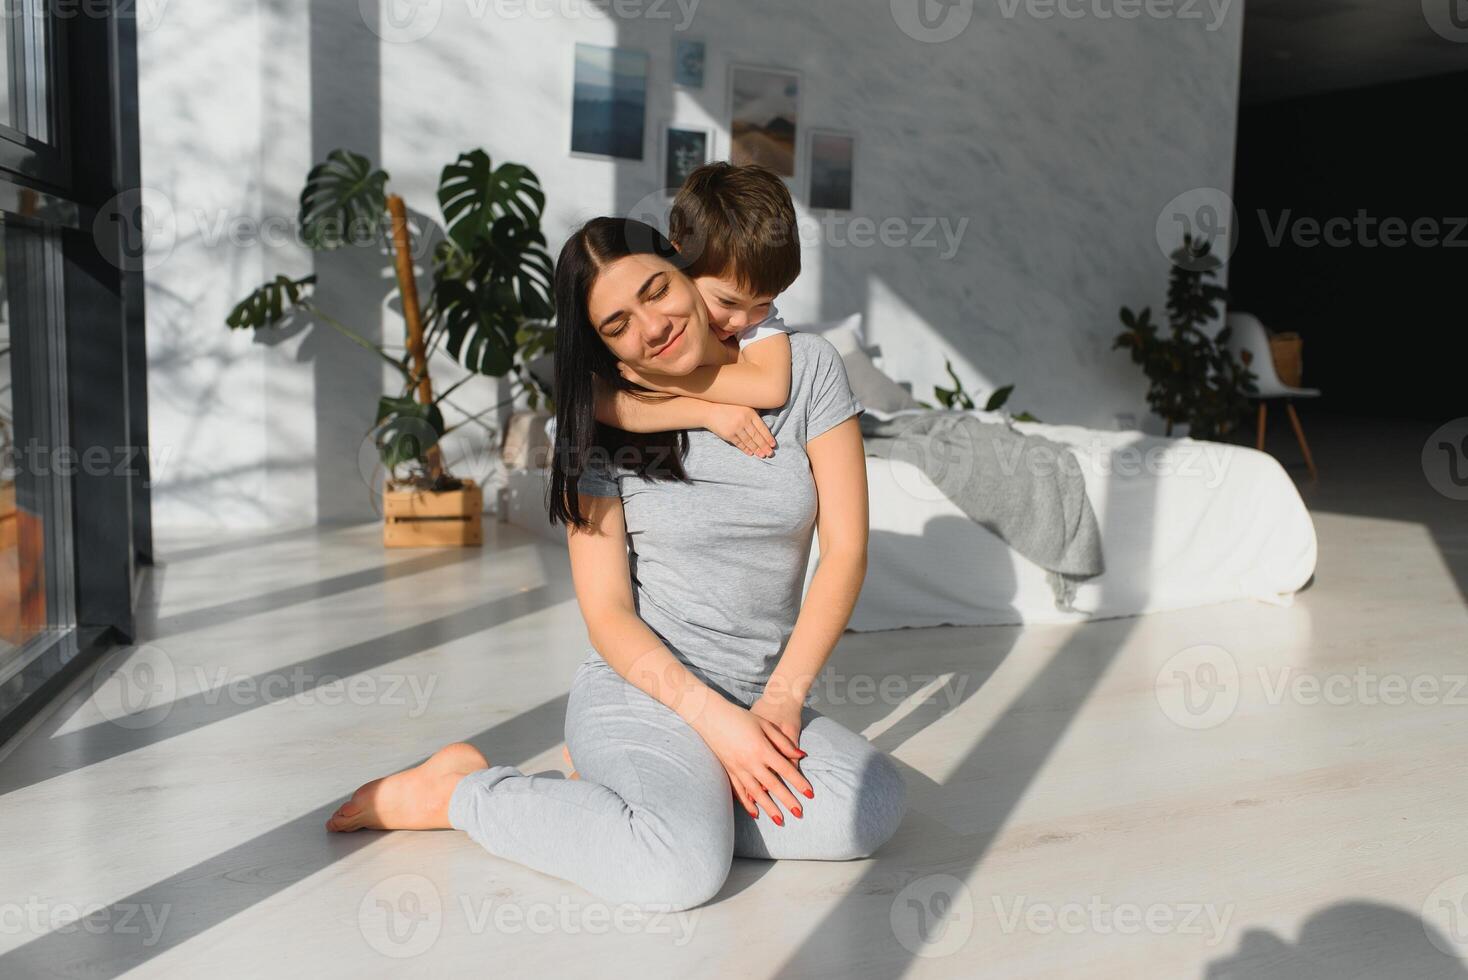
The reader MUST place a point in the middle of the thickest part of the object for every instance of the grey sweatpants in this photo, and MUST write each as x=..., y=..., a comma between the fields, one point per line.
x=652, y=820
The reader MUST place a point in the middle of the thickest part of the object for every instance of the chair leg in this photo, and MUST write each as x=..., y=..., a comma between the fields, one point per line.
x=1300, y=435
x=1263, y=410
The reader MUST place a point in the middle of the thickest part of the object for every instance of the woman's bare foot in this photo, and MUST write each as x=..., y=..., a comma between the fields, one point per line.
x=415, y=799
x=566, y=751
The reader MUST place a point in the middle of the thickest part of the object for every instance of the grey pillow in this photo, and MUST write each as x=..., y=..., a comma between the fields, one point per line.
x=871, y=387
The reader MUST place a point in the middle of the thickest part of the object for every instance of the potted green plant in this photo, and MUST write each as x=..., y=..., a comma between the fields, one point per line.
x=489, y=309
x=1193, y=378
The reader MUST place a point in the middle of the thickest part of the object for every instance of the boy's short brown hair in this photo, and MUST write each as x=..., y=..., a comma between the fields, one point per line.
x=737, y=223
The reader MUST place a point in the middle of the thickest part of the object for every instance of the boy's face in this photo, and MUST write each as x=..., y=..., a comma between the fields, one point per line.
x=731, y=305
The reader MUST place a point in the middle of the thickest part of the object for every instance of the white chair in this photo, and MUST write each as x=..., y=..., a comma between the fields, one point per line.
x=1248, y=335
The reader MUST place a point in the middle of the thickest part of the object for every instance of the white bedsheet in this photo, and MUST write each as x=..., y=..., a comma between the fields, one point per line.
x=1183, y=523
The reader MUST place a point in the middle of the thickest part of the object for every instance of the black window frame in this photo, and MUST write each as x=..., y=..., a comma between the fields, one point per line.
x=72, y=183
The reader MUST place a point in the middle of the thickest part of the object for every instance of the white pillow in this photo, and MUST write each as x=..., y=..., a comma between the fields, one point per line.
x=875, y=390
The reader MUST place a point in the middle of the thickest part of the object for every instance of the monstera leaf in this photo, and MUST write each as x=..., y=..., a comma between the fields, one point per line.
x=343, y=202
x=475, y=195
x=406, y=430
x=480, y=332
x=269, y=304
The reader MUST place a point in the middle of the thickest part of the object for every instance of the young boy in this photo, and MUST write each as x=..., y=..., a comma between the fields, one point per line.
x=737, y=226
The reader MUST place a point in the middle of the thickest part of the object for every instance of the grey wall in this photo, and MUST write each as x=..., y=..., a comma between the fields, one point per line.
x=1047, y=147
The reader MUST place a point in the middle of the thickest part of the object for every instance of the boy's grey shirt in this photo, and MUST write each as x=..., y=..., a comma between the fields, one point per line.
x=718, y=564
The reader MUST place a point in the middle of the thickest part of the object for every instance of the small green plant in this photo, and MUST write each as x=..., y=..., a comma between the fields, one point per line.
x=1192, y=376
x=957, y=398
x=489, y=308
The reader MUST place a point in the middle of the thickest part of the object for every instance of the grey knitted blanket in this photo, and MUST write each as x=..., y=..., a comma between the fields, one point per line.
x=1025, y=489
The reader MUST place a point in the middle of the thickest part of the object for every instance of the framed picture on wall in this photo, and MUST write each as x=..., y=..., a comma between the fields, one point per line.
x=608, y=101
x=688, y=63
x=764, y=115
x=685, y=148
x=832, y=159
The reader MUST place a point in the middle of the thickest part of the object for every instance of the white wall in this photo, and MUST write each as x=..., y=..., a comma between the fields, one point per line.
x=1053, y=143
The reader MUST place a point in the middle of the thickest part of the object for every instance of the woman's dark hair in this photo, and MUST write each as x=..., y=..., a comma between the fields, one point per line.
x=581, y=356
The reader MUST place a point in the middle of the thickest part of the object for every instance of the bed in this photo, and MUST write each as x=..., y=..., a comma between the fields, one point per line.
x=1183, y=523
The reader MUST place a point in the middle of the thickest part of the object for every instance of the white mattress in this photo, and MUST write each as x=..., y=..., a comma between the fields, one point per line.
x=1200, y=523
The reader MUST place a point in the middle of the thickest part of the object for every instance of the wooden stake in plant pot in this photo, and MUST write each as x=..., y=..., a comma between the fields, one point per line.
x=413, y=517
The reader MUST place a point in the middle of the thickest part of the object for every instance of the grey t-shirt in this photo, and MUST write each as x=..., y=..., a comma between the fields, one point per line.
x=718, y=564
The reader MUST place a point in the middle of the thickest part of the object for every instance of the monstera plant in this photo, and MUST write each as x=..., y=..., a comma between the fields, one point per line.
x=489, y=307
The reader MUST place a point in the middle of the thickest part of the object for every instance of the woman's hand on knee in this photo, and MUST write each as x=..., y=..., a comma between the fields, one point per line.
x=782, y=716
x=759, y=771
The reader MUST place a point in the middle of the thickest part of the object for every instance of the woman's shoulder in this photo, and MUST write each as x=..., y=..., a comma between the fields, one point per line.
x=810, y=353
x=819, y=388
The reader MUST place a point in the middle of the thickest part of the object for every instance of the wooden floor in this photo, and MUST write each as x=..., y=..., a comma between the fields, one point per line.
x=1242, y=791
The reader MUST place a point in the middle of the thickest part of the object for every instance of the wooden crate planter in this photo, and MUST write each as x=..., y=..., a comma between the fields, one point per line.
x=420, y=519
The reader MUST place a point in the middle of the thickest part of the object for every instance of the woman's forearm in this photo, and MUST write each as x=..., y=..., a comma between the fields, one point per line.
x=633, y=650
x=823, y=617
x=653, y=412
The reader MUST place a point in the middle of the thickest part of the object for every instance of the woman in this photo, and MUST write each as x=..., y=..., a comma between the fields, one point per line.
x=703, y=655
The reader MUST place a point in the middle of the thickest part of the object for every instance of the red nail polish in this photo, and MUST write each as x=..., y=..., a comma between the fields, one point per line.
x=810, y=794
x=796, y=810
x=779, y=820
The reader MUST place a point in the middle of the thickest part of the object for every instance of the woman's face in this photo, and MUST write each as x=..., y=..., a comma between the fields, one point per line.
x=650, y=315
